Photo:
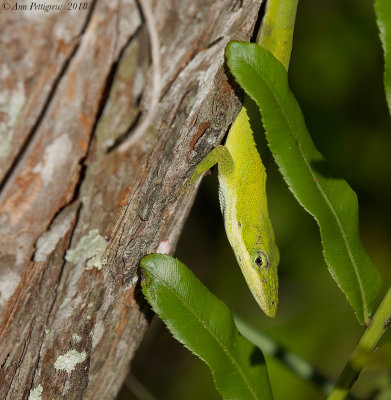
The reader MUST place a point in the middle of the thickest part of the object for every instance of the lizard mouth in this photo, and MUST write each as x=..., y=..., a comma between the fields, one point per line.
x=263, y=286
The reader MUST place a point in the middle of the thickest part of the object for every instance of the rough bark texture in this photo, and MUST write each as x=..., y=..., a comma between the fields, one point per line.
x=76, y=216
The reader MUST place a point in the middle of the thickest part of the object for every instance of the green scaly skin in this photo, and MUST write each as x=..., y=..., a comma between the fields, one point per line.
x=242, y=192
x=276, y=33
x=246, y=215
x=242, y=176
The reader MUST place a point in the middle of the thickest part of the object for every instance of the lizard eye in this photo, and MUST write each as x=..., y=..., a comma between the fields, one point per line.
x=259, y=261
x=262, y=260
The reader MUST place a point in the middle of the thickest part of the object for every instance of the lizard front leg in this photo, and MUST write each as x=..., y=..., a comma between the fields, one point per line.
x=219, y=155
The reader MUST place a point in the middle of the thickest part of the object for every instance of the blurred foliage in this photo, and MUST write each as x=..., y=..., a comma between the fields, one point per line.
x=336, y=74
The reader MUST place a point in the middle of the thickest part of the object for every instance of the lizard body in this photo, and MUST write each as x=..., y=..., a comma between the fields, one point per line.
x=242, y=193
x=242, y=176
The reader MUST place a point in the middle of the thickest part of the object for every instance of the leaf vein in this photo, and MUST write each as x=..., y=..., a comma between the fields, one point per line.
x=327, y=200
x=233, y=360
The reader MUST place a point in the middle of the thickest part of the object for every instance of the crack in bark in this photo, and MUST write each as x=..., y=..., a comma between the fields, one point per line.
x=155, y=89
x=102, y=104
x=200, y=132
x=24, y=353
x=258, y=22
x=26, y=341
x=211, y=44
x=177, y=109
x=197, y=50
x=25, y=344
x=4, y=362
x=186, y=62
x=46, y=105
x=123, y=136
x=235, y=3
x=49, y=312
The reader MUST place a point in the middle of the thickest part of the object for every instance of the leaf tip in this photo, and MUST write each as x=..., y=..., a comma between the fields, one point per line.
x=230, y=48
x=151, y=261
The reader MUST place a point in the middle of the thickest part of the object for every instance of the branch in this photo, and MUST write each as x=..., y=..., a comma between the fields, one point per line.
x=76, y=218
x=371, y=336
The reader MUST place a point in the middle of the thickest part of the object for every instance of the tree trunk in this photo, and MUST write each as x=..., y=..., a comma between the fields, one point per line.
x=76, y=214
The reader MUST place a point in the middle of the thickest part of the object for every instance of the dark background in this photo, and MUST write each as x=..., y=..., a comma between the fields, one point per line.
x=336, y=73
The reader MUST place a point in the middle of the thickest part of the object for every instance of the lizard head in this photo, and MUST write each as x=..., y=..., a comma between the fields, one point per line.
x=264, y=261
x=258, y=257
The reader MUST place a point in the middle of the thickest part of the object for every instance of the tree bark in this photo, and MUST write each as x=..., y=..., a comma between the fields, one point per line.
x=76, y=215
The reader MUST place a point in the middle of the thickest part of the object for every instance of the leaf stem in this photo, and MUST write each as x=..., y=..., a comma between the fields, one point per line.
x=368, y=341
x=292, y=361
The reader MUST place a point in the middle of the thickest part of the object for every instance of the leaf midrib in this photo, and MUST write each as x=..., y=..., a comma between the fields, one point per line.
x=233, y=360
x=343, y=233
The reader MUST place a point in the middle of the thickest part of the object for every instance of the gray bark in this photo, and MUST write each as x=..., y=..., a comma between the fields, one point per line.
x=76, y=215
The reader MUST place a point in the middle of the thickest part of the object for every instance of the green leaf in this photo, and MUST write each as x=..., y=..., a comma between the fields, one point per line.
x=327, y=197
x=204, y=324
x=383, y=14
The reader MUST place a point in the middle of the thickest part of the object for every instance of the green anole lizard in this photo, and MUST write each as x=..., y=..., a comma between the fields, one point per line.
x=242, y=177
x=242, y=193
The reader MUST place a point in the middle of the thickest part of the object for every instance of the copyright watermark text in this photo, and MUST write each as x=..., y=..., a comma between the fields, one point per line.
x=45, y=6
